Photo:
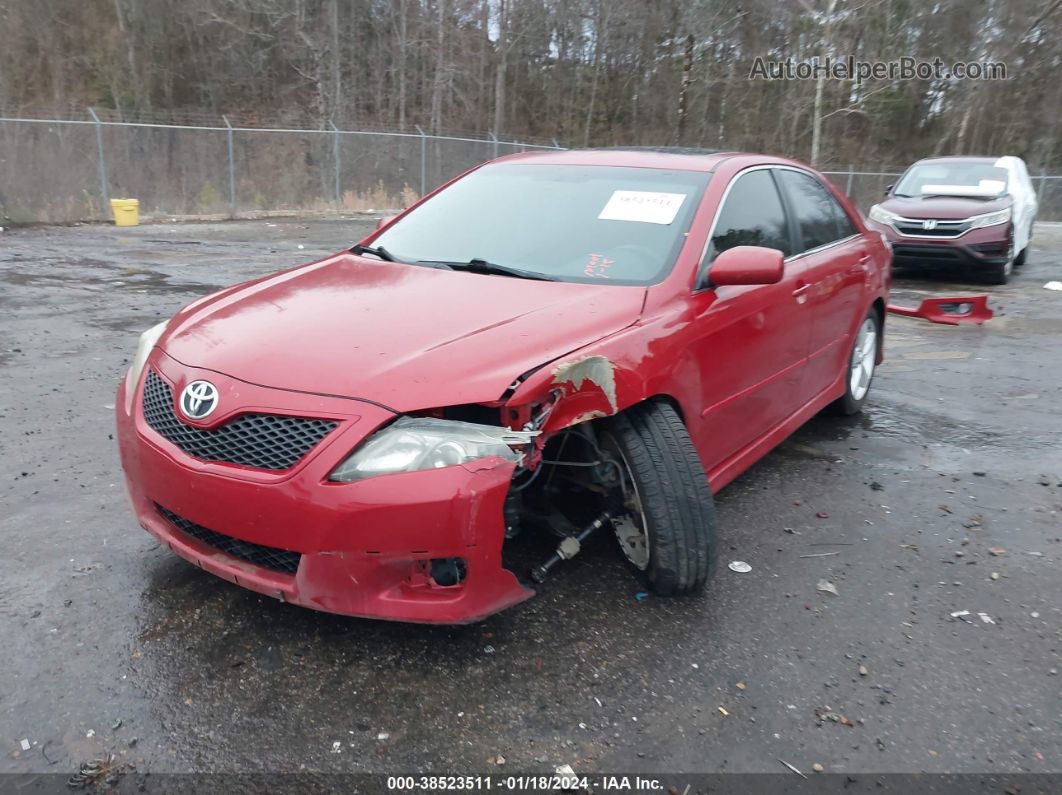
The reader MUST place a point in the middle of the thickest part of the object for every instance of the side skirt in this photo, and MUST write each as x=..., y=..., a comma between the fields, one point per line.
x=733, y=466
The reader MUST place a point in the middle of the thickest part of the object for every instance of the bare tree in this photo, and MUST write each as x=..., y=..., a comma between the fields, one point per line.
x=585, y=71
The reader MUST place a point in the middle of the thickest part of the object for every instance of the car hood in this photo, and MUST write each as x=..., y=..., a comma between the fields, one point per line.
x=943, y=207
x=406, y=336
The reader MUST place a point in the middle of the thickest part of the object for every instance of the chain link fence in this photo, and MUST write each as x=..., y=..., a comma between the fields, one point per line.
x=60, y=170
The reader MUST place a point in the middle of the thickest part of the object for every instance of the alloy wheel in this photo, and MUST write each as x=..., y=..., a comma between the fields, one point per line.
x=861, y=367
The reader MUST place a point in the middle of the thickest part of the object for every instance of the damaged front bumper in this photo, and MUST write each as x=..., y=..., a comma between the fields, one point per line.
x=361, y=549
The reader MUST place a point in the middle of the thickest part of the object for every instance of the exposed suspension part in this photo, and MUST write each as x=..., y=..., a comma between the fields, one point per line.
x=569, y=547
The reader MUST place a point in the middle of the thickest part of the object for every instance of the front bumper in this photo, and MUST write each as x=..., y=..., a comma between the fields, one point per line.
x=978, y=248
x=364, y=548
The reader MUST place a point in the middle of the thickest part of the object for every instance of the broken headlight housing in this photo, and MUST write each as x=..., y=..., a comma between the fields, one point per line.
x=411, y=444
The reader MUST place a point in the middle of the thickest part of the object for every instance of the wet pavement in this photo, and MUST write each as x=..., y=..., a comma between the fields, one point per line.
x=944, y=497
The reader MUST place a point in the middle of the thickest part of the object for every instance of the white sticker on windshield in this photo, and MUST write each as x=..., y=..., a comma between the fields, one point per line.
x=644, y=206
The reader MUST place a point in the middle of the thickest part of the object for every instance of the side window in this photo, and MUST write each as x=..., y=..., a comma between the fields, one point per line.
x=845, y=228
x=751, y=215
x=819, y=217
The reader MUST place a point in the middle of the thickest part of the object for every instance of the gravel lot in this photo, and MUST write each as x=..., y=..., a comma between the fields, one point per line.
x=944, y=497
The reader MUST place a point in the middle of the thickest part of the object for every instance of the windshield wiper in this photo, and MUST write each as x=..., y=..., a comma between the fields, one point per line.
x=376, y=251
x=477, y=265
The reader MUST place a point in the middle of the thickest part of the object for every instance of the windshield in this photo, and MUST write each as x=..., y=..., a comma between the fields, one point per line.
x=957, y=177
x=567, y=222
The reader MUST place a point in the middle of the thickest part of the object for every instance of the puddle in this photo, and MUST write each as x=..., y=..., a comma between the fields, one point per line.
x=914, y=426
x=151, y=281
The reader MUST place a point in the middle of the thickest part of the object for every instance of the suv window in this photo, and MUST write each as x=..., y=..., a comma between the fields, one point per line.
x=751, y=215
x=820, y=218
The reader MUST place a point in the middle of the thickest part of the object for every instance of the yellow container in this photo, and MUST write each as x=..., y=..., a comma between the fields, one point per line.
x=126, y=212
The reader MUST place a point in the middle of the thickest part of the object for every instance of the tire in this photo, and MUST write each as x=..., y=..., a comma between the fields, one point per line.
x=1023, y=254
x=856, y=390
x=1000, y=274
x=672, y=495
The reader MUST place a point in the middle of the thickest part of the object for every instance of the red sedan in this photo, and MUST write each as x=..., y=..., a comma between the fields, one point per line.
x=556, y=343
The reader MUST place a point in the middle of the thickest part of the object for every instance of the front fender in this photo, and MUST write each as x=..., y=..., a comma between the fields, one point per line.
x=598, y=380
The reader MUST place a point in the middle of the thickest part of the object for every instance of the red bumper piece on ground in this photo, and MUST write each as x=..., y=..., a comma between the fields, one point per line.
x=950, y=311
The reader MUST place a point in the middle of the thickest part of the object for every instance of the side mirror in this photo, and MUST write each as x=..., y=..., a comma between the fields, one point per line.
x=887, y=189
x=747, y=265
x=385, y=221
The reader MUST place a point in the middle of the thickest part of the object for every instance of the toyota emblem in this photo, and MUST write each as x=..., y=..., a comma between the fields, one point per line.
x=198, y=399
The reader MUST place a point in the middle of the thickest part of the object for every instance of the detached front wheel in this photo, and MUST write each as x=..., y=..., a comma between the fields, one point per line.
x=667, y=530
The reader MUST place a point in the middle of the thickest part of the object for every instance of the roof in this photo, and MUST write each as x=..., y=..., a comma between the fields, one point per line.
x=676, y=158
x=667, y=150
x=967, y=158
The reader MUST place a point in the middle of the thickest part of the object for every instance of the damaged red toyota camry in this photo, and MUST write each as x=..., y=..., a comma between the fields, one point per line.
x=556, y=343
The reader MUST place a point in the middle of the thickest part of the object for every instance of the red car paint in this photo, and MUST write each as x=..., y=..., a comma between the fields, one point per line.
x=746, y=265
x=359, y=341
x=952, y=311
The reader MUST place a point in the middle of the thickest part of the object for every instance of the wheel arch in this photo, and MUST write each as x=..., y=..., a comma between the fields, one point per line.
x=663, y=397
x=879, y=309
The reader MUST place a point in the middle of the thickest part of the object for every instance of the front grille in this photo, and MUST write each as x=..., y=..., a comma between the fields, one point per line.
x=265, y=441
x=267, y=557
x=914, y=228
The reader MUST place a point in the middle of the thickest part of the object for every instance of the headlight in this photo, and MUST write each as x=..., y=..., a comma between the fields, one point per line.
x=415, y=443
x=990, y=219
x=143, y=348
x=881, y=215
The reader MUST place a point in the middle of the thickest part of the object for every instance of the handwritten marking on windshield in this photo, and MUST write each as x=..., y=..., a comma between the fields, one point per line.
x=597, y=267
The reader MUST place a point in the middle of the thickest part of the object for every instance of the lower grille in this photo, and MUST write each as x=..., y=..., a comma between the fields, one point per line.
x=999, y=249
x=941, y=253
x=264, y=441
x=273, y=558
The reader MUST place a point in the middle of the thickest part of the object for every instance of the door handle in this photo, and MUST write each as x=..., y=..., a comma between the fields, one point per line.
x=800, y=293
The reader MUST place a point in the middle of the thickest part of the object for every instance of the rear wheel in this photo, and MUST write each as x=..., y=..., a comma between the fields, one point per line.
x=667, y=531
x=1022, y=255
x=862, y=361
